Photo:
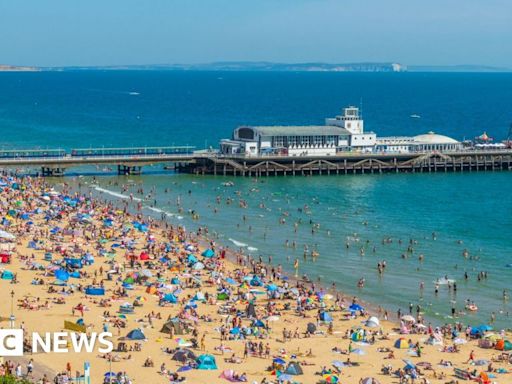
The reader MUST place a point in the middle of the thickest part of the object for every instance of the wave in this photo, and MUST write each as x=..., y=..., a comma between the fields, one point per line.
x=238, y=243
x=116, y=194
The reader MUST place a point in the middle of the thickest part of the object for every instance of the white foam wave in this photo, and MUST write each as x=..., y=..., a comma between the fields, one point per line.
x=237, y=243
x=115, y=194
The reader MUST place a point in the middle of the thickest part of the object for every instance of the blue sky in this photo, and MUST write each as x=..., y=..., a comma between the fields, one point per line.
x=110, y=32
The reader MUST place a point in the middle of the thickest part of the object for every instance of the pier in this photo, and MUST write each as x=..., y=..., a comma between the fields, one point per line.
x=130, y=161
x=351, y=163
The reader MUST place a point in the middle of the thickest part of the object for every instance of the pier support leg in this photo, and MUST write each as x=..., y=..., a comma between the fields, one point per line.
x=52, y=172
x=125, y=170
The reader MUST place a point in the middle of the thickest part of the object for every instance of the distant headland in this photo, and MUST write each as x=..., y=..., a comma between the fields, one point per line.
x=265, y=66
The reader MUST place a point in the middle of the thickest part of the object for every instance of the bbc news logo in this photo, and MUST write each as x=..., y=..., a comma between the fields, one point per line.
x=11, y=342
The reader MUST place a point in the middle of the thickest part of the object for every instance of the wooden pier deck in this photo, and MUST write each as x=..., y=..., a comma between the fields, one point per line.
x=352, y=164
x=211, y=163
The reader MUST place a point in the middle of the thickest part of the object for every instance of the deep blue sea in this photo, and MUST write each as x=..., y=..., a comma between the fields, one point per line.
x=470, y=211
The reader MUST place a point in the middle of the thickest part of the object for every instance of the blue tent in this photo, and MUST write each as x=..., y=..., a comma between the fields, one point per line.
x=258, y=323
x=294, y=368
x=235, y=331
x=206, y=362
x=355, y=307
x=75, y=263
x=191, y=259
x=208, y=253
x=272, y=287
x=135, y=334
x=325, y=316
x=7, y=275
x=255, y=281
x=95, y=291
x=170, y=298
x=175, y=281
x=62, y=275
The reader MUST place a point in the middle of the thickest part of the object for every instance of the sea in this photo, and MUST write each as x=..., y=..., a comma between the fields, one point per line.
x=428, y=228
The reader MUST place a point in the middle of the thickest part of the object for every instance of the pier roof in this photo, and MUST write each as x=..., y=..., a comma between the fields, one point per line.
x=434, y=138
x=300, y=130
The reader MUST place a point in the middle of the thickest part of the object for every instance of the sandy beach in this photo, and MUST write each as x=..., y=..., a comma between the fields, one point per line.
x=71, y=258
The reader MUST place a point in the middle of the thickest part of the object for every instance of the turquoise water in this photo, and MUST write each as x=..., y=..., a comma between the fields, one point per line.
x=83, y=109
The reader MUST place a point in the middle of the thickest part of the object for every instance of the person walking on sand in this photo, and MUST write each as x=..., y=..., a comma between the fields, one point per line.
x=471, y=357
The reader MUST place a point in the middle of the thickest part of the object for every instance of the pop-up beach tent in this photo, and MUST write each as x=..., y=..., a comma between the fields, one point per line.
x=325, y=316
x=135, y=334
x=183, y=355
x=206, y=362
x=294, y=368
x=7, y=275
x=208, y=253
x=62, y=275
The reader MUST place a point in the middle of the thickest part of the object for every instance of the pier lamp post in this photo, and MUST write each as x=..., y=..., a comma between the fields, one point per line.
x=12, y=318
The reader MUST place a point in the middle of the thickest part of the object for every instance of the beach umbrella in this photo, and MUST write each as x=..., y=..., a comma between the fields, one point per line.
x=408, y=318
x=279, y=361
x=401, y=343
x=331, y=379
x=110, y=374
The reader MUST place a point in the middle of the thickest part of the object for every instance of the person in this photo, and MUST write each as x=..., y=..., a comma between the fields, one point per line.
x=471, y=357
x=30, y=367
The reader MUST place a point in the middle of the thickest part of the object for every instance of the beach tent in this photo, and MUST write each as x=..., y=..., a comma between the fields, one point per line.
x=173, y=325
x=355, y=308
x=206, y=362
x=311, y=328
x=503, y=345
x=401, y=343
x=222, y=296
x=5, y=258
x=258, y=323
x=208, y=253
x=294, y=368
x=7, y=275
x=191, y=259
x=198, y=266
x=357, y=335
x=95, y=291
x=74, y=263
x=183, y=355
x=372, y=322
x=325, y=316
x=170, y=298
x=62, y=275
x=136, y=334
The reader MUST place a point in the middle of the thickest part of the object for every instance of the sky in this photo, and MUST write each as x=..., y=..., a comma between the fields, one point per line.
x=127, y=32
